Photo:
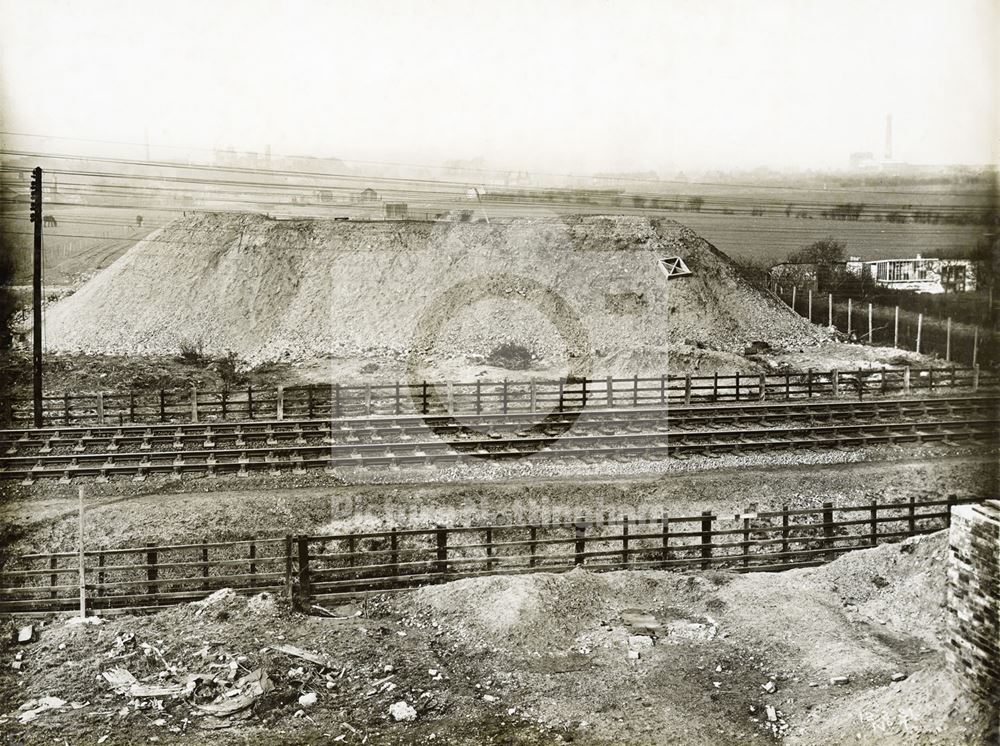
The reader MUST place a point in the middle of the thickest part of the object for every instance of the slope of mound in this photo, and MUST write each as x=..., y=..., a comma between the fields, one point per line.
x=578, y=289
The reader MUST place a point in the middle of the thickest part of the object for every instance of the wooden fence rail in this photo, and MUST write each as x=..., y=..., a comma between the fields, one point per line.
x=322, y=568
x=331, y=401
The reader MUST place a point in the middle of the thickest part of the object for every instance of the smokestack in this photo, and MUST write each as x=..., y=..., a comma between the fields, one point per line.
x=888, y=137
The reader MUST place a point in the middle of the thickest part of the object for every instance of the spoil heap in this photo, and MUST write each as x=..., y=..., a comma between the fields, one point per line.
x=574, y=288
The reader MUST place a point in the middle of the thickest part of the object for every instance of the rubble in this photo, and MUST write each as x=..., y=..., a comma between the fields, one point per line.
x=401, y=711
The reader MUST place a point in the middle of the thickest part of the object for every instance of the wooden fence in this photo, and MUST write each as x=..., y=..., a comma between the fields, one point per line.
x=336, y=400
x=887, y=326
x=324, y=568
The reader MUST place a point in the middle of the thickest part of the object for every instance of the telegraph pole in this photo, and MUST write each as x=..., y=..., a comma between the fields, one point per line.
x=36, y=299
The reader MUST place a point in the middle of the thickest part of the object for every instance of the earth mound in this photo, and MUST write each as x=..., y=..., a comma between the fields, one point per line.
x=587, y=292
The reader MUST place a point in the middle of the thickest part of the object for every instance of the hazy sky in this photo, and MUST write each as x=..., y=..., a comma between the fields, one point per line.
x=565, y=85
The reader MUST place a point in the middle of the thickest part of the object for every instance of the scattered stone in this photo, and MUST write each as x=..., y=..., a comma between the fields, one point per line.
x=899, y=676
x=401, y=711
x=771, y=714
x=633, y=655
x=769, y=687
x=840, y=680
x=26, y=633
x=308, y=699
x=640, y=641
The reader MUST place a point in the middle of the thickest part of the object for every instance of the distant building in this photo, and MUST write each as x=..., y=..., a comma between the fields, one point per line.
x=367, y=196
x=396, y=211
x=924, y=275
x=919, y=274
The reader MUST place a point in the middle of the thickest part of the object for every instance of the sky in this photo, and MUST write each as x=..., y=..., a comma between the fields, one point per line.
x=570, y=86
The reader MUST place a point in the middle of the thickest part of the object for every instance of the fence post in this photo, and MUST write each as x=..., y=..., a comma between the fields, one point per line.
x=310, y=404
x=830, y=308
x=784, y=533
x=581, y=541
x=911, y=520
x=338, y=412
x=100, y=407
x=687, y=389
x=54, y=577
x=895, y=330
x=204, y=564
x=635, y=390
x=665, y=527
x=163, y=405
x=609, y=393
x=505, y=392
x=906, y=379
x=763, y=387
x=975, y=377
x=975, y=346
x=706, y=539
x=663, y=390
x=835, y=382
x=810, y=305
x=305, y=585
x=828, y=531
x=624, y=541
x=194, y=404
x=151, y=569
x=398, y=408
x=66, y=408
x=532, y=394
x=100, y=572
x=280, y=402
x=794, y=288
x=746, y=543
x=920, y=324
x=253, y=563
x=250, y=402
x=224, y=400
x=394, y=551
x=715, y=386
x=442, y=550
x=737, y=385
x=289, y=584
x=479, y=398
x=532, y=545
x=423, y=397
x=809, y=383
x=947, y=342
x=451, y=397
x=368, y=399
x=848, y=317
x=489, y=549
x=870, y=330
x=873, y=522
x=81, y=557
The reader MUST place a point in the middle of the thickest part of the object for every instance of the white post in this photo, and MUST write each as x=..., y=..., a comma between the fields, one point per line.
x=280, y=402
x=100, y=407
x=975, y=346
x=810, y=304
x=835, y=380
x=194, y=404
x=829, y=299
x=906, y=379
x=848, y=317
x=870, y=324
x=947, y=342
x=794, y=288
x=611, y=392
x=895, y=330
x=920, y=325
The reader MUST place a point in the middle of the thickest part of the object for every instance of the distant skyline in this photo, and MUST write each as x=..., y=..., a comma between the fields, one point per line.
x=565, y=86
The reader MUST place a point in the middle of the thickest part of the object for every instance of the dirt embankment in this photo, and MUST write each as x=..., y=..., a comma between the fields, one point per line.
x=621, y=658
x=585, y=293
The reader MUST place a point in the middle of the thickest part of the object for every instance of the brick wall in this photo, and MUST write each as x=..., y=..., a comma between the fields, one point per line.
x=974, y=598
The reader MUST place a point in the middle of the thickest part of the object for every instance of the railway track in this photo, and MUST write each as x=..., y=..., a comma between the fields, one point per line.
x=104, y=452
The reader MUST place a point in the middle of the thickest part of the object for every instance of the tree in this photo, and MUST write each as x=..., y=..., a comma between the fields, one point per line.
x=824, y=251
